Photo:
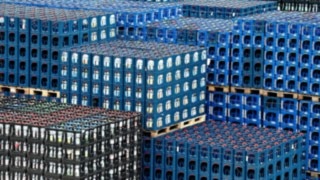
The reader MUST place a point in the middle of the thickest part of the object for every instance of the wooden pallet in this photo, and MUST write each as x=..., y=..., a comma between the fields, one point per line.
x=180, y=125
x=14, y=89
x=279, y=94
x=218, y=88
x=313, y=174
x=245, y=90
x=43, y=92
x=309, y=97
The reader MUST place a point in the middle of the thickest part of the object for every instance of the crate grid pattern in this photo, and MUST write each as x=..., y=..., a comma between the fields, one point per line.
x=51, y=140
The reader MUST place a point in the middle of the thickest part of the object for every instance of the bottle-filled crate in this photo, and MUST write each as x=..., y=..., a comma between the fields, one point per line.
x=270, y=112
x=220, y=150
x=155, y=71
x=64, y=141
x=224, y=9
x=282, y=58
x=299, y=5
x=133, y=13
x=187, y=31
x=37, y=33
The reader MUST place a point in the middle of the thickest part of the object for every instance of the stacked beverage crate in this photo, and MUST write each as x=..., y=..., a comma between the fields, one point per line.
x=290, y=50
x=218, y=150
x=223, y=9
x=270, y=112
x=50, y=140
x=164, y=82
x=127, y=12
x=32, y=36
x=299, y=5
x=247, y=54
x=214, y=34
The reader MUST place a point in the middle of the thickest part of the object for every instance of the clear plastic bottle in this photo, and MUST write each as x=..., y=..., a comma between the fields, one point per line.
x=77, y=171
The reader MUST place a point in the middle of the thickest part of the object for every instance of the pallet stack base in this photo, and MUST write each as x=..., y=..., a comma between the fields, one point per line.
x=178, y=126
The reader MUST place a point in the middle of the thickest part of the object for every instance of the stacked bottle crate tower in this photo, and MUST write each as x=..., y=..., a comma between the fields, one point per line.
x=64, y=47
x=33, y=33
x=164, y=82
x=218, y=150
x=43, y=140
x=31, y=38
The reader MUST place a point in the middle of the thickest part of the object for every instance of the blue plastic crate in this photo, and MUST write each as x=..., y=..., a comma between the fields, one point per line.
x=236, y=79
x=289, y=121
x=258, y=41
x=257, y=81
x=236, y=66
x=271, y=28
x=192, y=37
x=75, y=86
x=281, y=43
x=315, y=61
x=304, y=86
x=291, y=85
x=246, y=41
x=269, y=56
x=305, y=60
x=315, y=74
x=44, y=82
x=293, y=43
x=291, y=72
x=171, y=35
x=314, y=88
x=13, y=79
x=161, y=34
x=221, y=78
x=35, y=80
x=279, y=83
x=228, y=161
x=269, y=69
x=247, y=67
x=181, y=36
x=306, y=46
x=217, y=113
x=247, y=80
x=239, y=169
x=235, y=115
x=202, y=38
x=280, y=57
x=12, y=38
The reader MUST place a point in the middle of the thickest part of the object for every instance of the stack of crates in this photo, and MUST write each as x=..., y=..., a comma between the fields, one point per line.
x=131, y=16
x=257, y=110
x=132, y=26
x=31, y=38
x=214, y=34
x=286, y=48
x=309, y=123
x=164, y=82
x=299, y=5
x=217, y=106
x=235, y=108
x=224, y=9
x=50, y=140
x=218, y=150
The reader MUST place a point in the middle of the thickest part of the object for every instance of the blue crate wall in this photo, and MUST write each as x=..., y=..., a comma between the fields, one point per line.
x=195, y=158
x=224, y=9
x=139, y=79
x=41, y=39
